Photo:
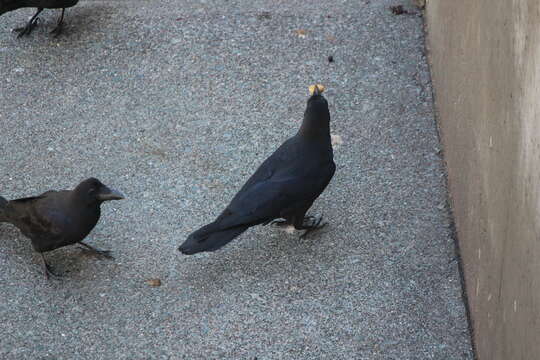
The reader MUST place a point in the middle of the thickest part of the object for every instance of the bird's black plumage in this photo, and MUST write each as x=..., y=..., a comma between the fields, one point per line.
x=10, y=5
x=284, y=186
x=58, y=218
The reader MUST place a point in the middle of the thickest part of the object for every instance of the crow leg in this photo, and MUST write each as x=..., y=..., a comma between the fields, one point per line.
x=104, y=253
x=58, y=29
x=26, y=30
x=47, y=269
x=286, y=218
x=309, y=224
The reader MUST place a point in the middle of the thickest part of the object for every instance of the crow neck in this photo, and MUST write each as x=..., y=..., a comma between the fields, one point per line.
x=315, y=129
x=80, y=197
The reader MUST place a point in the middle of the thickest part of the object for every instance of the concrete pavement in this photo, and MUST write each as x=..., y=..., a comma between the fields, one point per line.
x=176, y=104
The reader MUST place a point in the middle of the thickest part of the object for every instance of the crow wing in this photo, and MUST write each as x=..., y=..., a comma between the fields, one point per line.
x=264, y=197
x=38, y=217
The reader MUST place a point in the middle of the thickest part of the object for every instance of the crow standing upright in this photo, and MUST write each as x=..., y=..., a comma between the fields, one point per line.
x=9, y=5
x=284, y=186
x=59, y=218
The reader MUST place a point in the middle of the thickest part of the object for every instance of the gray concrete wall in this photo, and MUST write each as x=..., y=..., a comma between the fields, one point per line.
x=485, y=58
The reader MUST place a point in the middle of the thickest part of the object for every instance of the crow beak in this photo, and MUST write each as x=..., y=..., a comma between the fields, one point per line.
x=109, y=194
x=316, y=90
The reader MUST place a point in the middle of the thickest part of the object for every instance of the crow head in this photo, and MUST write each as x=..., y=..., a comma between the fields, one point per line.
x=93, y=191
x=317, y=116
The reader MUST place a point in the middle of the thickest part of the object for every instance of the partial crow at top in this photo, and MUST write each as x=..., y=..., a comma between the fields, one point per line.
x=9, y=5
x=284, y=186
x=59, y=218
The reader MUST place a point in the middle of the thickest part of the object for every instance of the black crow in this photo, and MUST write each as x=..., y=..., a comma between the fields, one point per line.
x=284, y=186
x=59, y=218
x=10, y=5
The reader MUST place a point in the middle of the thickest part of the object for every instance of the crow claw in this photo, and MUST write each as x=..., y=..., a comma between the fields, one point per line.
x=57, y=30
x=27, y=29
x=47, y=269
x=279, y=222
x=315, y=225
x=49, y=273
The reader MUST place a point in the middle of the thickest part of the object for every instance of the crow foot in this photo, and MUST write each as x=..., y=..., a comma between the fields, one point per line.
x=280, y=223
x=27, y=29
x=310, y=224
x=57, y=30
x=104, y=253
x=47, y=269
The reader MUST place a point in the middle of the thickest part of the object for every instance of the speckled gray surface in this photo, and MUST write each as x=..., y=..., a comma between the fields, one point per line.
x=176, y=105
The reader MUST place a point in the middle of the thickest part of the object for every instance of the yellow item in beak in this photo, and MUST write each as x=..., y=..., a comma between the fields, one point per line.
x=318, y=87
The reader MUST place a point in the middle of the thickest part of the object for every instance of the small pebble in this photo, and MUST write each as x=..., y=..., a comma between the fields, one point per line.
x=154, y=282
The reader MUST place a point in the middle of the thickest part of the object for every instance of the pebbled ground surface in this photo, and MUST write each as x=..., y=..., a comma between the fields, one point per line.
x=176, y=104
